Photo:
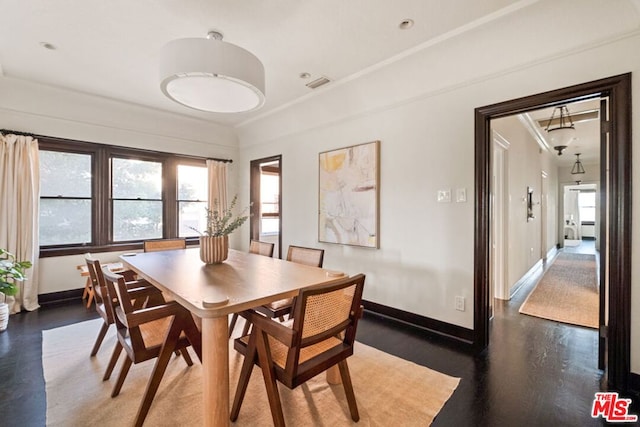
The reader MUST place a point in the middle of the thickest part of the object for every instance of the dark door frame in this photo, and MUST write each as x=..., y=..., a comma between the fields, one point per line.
x=254, y=197
x=618, y=89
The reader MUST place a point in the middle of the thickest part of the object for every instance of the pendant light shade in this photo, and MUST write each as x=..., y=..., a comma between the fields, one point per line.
x=561, y=129
x=211, y=75
x=577, y=168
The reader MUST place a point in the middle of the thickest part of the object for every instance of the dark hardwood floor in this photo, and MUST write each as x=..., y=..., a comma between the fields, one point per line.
x=534, y=373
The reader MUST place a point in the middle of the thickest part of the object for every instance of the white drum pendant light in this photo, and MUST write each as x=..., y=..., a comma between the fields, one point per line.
x=211, y=75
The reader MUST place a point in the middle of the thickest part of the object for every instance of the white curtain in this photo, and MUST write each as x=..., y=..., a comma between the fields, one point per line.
x=19, y=204
x=217, y=183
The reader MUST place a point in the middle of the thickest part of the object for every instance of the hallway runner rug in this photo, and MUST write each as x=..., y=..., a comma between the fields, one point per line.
x=389, y=390
x=567, y=292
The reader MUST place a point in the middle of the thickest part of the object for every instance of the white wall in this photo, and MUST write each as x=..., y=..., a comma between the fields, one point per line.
x=44, y=110
x=526, y=164
x=422, y=110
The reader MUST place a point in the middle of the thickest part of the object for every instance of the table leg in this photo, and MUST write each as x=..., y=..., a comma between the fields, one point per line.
x=215, y=367
x=333, y=375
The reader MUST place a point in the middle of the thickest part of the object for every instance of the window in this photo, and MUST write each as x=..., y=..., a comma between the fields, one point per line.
x=587, y=206
x=98, y=198
x=269, y=202
x=136, y=195
x=192, y=199
x=65, y=204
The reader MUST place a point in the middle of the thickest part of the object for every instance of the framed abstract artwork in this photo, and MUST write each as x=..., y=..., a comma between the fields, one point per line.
x=349, y=189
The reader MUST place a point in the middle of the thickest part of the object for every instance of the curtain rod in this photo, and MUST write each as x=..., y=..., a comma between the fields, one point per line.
x=33, y=135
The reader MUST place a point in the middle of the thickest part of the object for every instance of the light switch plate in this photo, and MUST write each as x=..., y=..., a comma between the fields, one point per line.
x=444, y=196
x=461, y=195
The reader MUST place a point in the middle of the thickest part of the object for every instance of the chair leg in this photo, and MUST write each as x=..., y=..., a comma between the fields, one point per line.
x=247, y=327
x=101, y=334
x=348, y=390
x=245, y=376
x=268, y=372
x=112, y=362
x=193, y=335
x=232, y=325
x=185, y=355
x=123, y=374
x=159, y=369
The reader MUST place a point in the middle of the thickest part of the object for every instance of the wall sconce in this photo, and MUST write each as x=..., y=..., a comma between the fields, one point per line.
x=530, y=215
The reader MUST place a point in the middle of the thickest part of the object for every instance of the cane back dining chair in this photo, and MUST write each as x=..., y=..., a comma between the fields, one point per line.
x=144, y=332
x=104, y=307
x=163, y=245
x=259, y=248
x=301, y=255
x=320, y=335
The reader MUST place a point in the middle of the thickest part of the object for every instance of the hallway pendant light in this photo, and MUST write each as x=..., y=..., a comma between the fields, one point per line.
x=577, y=166
x=211, y=75
x=561, y=129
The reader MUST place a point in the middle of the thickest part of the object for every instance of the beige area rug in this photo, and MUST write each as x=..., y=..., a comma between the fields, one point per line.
x=389, y=390
x=568, y=292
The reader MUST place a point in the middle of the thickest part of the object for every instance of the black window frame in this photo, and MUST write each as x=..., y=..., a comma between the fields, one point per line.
x=112, y=199
x=101, y=211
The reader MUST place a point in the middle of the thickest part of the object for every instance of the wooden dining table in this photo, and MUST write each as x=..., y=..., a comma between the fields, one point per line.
x=212, y=292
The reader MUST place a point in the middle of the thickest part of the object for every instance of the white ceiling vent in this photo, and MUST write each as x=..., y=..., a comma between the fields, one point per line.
x=318, y=82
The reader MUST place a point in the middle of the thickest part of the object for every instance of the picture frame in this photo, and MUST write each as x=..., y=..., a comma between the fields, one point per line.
x=348, y=195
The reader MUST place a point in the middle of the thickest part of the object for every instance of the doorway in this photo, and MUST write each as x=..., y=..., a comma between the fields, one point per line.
x=616, y=251
x=266, y=199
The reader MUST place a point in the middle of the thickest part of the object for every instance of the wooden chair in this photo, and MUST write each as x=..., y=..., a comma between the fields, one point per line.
x=148, y=333
x=163, y=245
x=320, y=335
x=104, y=306
x=301, y=255
x=259, y=248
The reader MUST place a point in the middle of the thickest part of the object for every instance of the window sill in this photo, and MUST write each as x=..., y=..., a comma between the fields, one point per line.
x=83, y=249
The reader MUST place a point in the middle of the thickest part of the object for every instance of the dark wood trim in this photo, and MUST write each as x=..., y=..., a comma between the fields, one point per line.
x=102, y=204
x=62, y=296
x=634, y=383
x=254, y=197
x=457, y=334
x=618, y=89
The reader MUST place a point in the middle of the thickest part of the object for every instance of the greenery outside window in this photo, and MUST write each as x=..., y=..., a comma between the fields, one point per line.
x=101, y=198
x=136, y=199
x=192, y=199
x=65, y=204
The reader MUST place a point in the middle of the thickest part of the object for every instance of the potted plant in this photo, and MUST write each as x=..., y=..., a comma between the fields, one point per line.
x=214, y=240
x=11, y=271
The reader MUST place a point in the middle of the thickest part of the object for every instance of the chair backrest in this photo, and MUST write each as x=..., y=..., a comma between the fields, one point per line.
x=323, y=313
x=261, y=248
x=164, y=244
x=123, y=307
x=101, y=297
x=307, y=256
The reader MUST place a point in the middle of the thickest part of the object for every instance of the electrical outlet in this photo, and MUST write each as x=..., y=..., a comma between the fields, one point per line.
x=460, y=303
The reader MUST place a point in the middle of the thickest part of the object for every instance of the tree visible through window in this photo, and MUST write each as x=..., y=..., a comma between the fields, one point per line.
x=192, y=199
x=65, y=198
x=136, y=194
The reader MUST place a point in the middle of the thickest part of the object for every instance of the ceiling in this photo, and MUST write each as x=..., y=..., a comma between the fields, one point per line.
x=586, y=117
x=111, y=48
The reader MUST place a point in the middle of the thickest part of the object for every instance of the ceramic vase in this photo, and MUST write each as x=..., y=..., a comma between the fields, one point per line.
x=214, y=249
